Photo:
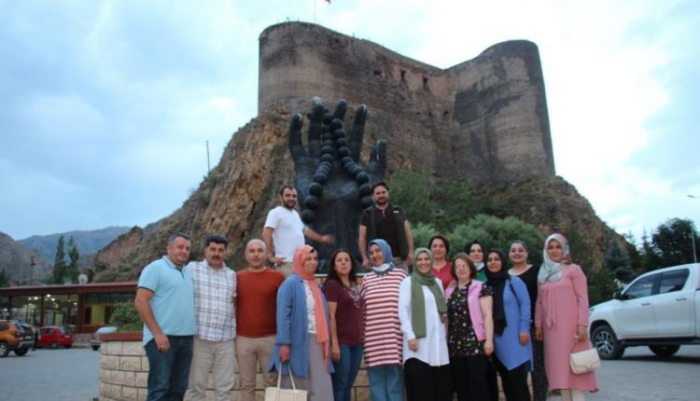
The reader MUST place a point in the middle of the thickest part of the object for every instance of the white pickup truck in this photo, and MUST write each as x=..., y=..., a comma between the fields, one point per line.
x=659, y=309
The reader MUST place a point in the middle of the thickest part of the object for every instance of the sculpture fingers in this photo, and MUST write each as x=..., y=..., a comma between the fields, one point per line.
x=296, y=148
x=340, y=109
x=377, y=160
x=316, y=127
x=357, y=132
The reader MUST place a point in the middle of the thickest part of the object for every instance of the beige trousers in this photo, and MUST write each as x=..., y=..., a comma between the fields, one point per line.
x=216, y=357
x=253, y=353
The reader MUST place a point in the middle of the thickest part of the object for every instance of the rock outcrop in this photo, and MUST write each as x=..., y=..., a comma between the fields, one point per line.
x=21, y=264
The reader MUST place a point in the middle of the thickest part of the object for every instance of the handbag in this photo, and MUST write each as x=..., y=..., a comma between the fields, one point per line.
x=584, y=361
x=284, y=394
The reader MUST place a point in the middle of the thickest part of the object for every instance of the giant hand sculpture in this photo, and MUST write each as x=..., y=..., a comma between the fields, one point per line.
x=331, y=187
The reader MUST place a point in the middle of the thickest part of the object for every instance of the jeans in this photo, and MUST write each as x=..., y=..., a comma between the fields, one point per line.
x=386, y=383
x=168, y=373
x=345, y=371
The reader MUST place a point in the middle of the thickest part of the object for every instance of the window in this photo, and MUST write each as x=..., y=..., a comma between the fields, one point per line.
x=673, y=281
x=642, y=287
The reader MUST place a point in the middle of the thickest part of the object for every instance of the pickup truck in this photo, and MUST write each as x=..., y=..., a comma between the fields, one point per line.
x=659, y=309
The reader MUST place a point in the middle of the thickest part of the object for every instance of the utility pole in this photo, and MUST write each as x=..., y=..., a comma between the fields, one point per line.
x=208, y=165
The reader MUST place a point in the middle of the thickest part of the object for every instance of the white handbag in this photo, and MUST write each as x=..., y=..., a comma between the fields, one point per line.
x=284, y=394
x=584, y=361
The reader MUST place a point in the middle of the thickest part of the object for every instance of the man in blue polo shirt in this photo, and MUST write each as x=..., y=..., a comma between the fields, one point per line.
x=165, y=301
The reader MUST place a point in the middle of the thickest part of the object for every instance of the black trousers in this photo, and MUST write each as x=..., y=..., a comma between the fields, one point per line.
x=470, y=377
x=426, y=383
x=514, y=381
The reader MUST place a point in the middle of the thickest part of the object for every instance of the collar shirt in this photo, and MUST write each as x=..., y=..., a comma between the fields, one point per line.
x=214, y=296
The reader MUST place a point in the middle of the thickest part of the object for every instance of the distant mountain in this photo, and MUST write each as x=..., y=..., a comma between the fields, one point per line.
x=87, y=241
x=22, y=264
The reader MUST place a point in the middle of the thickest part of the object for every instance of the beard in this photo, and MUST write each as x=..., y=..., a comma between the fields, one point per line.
x=290, y=204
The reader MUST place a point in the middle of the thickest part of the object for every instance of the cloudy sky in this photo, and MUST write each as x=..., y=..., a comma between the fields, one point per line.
x=106, y=106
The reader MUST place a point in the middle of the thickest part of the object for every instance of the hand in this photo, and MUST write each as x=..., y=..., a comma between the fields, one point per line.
x=413, y=345
x=328, y=239
x=488, y=348
x=285, y=352
x=276, y=261
x=539, y=334
x=409, y=260
x=365, y=263
x=162, y=342
x=581, y=333
x=331, y=186
x=524, y=338
x=335, y=353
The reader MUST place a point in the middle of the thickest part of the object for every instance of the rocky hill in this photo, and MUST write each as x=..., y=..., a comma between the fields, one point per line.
x=22, y=264
x=483, y=121
x=87, y=241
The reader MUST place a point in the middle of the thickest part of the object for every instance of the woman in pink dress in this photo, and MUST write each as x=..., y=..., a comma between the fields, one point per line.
x=561, y=319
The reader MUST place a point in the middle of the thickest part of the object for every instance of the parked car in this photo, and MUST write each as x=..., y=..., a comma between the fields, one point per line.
x=95, y=341
x=659, y=309
x=15, y=337
x=54, y=336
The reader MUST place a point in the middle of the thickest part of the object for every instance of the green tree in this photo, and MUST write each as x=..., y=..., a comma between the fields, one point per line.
x=617, y=261
x=673, y=242
x=4, y=282
x=73, y=255
x=601, y=286
x=126, y=317
x=422, y=234
x=495, y=232
x=59, y=264
x=411, y=191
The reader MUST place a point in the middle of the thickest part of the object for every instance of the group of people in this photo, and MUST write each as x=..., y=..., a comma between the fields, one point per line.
x=427, y=325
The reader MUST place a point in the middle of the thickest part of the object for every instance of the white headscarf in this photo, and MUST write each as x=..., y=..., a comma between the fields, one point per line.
x=552, y=271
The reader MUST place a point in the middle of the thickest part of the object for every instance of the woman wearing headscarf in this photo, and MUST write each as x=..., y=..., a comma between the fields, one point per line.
x=423, y=310
x=303, y=332
x=511, y=321
x=518, y=254
x=561, y=318
x=469, y=331
x=383, y=338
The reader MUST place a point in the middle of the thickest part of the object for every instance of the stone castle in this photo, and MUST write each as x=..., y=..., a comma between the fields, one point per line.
x=484, y=120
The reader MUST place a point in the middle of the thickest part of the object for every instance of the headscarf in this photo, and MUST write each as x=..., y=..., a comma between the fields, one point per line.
x=479, y=265
x=388, y=261
x=418, y=280
x=497, y=281
x=322, y=337
x=552, y=271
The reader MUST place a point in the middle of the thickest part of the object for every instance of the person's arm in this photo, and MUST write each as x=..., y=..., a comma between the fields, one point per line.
x=405, y=315
x=323, y=238
x=143, y=307
x=486, y=304
x=267, y=237
x=409, y=242
x=335, y=345
x=581, y=292
x=285, y=298
x=362, y=242
x=539, y=334
x=523, y=301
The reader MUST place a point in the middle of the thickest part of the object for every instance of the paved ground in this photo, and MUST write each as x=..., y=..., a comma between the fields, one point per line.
x=640, y=375
x=46, y=374
x=73, y=375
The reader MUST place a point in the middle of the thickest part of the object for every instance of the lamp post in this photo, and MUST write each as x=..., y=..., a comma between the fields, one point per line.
x=692, y=232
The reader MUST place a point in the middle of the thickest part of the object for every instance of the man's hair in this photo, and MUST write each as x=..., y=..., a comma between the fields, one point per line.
x=215, y=238
x=256, y=240
x=286, y=187
x=173, y=237
x=380, y=184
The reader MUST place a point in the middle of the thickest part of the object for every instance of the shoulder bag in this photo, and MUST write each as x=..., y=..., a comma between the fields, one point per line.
x=283, y=394
x=584, y=361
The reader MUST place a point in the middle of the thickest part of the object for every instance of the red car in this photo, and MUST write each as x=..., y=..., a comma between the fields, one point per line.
x=54, y=336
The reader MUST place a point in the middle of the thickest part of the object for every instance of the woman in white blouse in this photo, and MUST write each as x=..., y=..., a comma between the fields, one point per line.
x=422, y=311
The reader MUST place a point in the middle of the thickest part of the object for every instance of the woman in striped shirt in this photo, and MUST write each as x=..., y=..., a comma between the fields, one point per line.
x=383, y=338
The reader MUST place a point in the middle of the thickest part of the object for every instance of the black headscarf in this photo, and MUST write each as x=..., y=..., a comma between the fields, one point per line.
x=497, y=281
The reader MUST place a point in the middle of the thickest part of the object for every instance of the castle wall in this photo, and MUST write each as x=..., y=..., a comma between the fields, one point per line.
x=483, y=120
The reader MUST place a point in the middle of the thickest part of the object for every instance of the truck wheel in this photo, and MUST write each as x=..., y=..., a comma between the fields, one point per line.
x=95, y=347
x=664, y=351
x=54, y=345
x=4, y=349
x=605, y=341
x=21, y=351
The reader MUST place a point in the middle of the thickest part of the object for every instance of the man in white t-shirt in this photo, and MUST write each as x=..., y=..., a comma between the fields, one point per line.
x=284, y=231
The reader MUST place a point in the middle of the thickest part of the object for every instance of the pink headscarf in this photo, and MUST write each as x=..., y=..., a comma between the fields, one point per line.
x=322, y=337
